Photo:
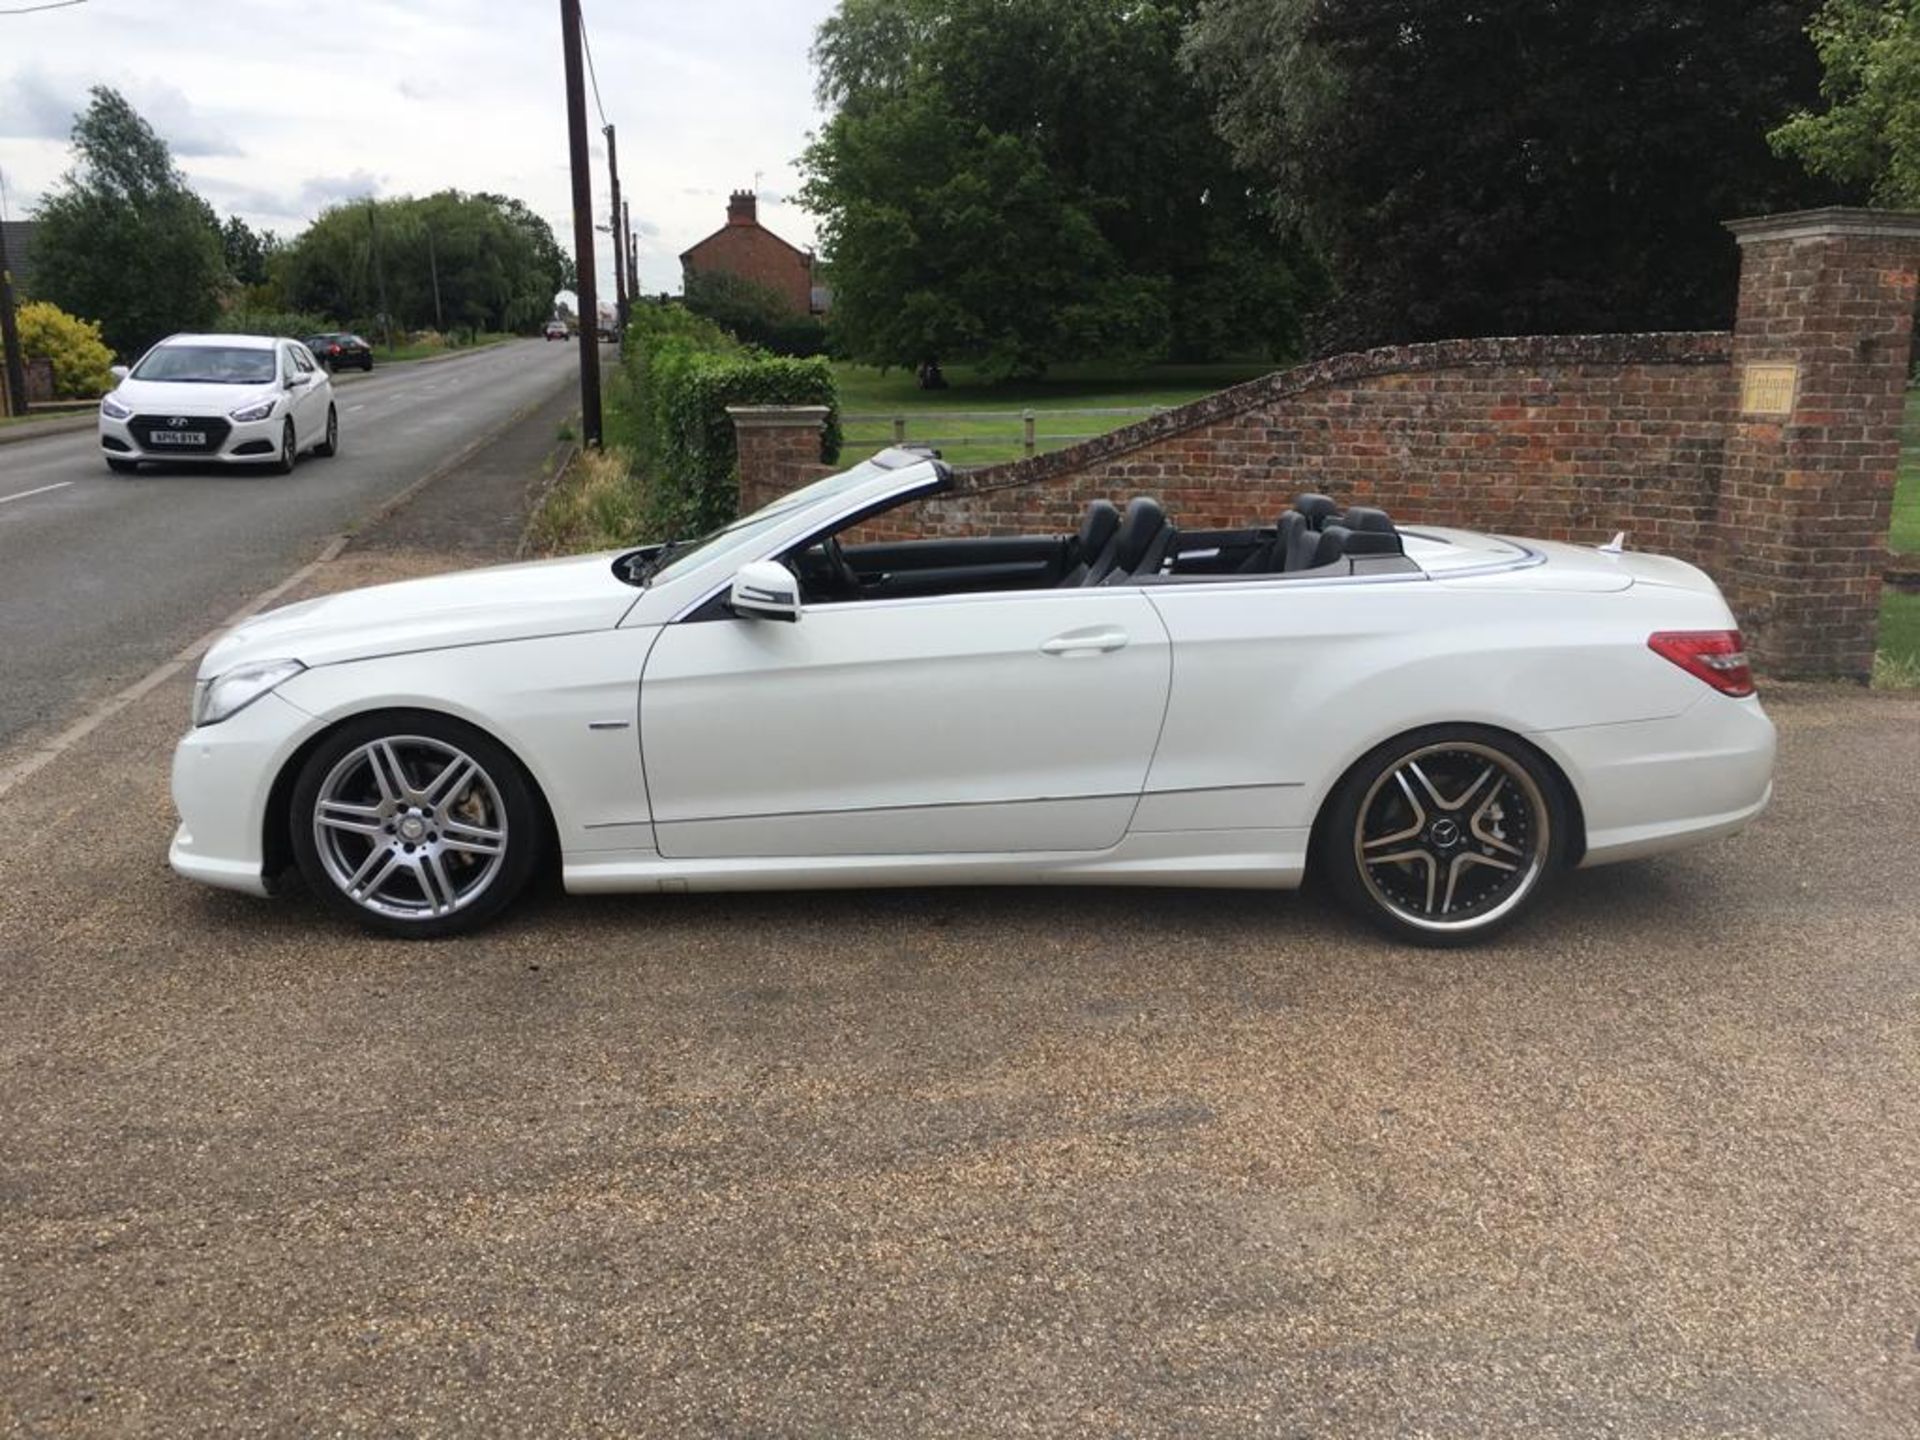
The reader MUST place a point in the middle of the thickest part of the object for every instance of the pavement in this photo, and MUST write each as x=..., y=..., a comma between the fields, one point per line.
x=970, y=1162
x=103, y=576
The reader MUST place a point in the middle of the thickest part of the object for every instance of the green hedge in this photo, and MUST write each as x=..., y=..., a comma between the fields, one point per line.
x=685, y=372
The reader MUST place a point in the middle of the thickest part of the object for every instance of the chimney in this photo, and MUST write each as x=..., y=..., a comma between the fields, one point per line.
x=743, y=208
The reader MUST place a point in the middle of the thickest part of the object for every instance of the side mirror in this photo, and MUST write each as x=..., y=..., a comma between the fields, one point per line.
x=765, y=590
x=119, y=372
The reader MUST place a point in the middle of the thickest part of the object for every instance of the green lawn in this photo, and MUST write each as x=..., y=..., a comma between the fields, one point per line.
x=864, y=390
x=1905, y=538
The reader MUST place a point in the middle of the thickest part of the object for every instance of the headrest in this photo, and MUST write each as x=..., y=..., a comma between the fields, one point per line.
x=1373, y=542
x=1365, y=517
x=1315, y=507
x=1102, y=519
x=1333, y=544
x=1145, y=520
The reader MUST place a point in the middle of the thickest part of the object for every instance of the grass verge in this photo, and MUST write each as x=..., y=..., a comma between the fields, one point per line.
x=866, y=390
x=435, y=345
x=599, y=504
x=1897, y=665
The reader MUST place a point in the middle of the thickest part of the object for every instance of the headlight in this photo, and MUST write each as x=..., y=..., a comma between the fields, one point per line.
x=259, y=410
x=226, y=695
x=113, y=409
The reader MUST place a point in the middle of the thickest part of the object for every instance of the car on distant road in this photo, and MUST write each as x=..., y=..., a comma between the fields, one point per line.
x=1441, y=720
x=341, y=350
x=557, y=330
x=224, y=399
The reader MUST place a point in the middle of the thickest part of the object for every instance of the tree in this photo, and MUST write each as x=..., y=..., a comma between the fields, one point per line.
x=1514, y=166
x=247, y=251
x=1869, y=134
x=1019, y=184
x=446, y=261
x=123, y=240
x=756, y=314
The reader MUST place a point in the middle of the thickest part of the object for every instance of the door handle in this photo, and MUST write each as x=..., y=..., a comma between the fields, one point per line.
x=1085, y=642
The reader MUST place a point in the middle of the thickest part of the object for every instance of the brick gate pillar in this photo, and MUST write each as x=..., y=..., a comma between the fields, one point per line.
x=779, y=448
x=1820, y=358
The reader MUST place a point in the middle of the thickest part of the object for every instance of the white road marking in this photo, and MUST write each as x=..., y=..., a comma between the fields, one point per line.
x=361, y=406
x=41, y=491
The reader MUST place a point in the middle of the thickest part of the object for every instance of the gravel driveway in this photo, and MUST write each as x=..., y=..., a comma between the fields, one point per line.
x=969, y=1162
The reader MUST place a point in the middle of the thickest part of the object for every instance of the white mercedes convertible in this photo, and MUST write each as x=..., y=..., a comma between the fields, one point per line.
x=1436, y=721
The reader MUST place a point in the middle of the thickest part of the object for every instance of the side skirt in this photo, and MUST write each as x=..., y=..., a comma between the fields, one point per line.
x=1231, y=859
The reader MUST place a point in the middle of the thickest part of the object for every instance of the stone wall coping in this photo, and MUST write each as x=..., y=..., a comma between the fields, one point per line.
x=1832, y=220
x=1686, y=347
x=778, y=417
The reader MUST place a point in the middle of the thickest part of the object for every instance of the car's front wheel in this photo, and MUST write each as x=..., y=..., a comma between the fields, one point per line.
x=283, y=463
x=415, y=824
x=330, y=446
x=1445, y=835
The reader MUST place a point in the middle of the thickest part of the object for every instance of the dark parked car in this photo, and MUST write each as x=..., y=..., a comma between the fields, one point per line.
x=338, y=349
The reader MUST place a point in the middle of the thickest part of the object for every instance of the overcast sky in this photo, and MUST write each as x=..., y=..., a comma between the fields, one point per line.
x=275, y=111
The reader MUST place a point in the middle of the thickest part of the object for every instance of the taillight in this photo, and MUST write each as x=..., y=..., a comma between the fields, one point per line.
x=1715, y=656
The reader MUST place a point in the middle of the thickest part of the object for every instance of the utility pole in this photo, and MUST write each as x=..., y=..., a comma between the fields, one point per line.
x=582, y=227
x=379, y=270
x=433, y=269
x=619, y=241
x=16, y=376
x=633, y=255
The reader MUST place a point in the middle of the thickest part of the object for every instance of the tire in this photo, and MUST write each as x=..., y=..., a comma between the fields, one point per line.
x=1447, y=835
x=289, y=452
x=367, y=364
x=123, y=467
x=330, y=447
x=418, y=855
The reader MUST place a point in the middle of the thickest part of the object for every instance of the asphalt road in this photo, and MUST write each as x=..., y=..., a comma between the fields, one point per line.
x=104, y=576
x=991, y=1162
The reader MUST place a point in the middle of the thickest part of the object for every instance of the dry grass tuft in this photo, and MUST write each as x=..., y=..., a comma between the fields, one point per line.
x=597, y=505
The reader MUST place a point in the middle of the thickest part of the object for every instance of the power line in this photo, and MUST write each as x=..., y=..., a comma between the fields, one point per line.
x=50, y=5
x=586, y=42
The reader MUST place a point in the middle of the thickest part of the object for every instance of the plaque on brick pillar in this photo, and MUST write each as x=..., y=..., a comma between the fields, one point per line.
x=1767, y=390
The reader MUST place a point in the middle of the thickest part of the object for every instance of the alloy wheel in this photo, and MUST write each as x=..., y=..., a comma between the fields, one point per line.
x=410, y=828
x=1452, y=836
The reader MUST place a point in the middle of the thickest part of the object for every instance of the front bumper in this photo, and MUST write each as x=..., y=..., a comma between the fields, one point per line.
x=246, y=443
x=222, y=779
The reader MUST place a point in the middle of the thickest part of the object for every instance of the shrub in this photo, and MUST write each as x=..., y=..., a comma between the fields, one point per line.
x=756, y=314
x=294, y=324
x=685, y=371
x=81, y=359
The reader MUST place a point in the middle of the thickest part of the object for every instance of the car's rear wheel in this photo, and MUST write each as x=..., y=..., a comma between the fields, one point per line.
x=330, y=446
x=289, y=451
x=415, y=824
x=122, y=467
x=1445, y=836
x=366, y=362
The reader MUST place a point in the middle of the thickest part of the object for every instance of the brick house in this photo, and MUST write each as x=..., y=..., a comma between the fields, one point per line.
x=746, y=248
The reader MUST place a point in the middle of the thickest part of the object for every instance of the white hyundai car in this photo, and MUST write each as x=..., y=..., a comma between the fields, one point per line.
x=1443, y=720
x=226, y=399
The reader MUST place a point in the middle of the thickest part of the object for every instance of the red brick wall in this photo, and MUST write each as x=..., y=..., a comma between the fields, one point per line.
x=1806, y=498
x=1560, y=437
x=755, y=253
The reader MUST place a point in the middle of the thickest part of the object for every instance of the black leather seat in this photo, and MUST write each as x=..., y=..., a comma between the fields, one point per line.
x=1097, y=532
x=1138, y=548
x=1317, y=509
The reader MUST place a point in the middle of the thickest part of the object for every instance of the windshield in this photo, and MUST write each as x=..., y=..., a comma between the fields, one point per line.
x=208, y=364
x=677, y=556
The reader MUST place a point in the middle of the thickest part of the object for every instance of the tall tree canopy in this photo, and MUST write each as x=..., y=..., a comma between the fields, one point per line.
x=247, y=251
x=1514, y=166
x=1018, y=183
x=448, y=260
x=1869, y=134
x=122, y=240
